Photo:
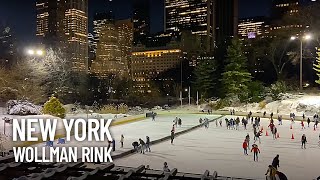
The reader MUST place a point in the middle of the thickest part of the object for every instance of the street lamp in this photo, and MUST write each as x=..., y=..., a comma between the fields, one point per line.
x=35, y=52
x=305, y=37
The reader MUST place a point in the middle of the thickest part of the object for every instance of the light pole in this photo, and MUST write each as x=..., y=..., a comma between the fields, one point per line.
x=306, y=37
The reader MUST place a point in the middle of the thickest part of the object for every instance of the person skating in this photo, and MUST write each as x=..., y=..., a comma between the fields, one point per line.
x=254, y=132
x=148, y=144
x=315, y=124
x=271, y=115
x=153, y=116
x=179, y=122
x=259, y=121
x=303, y=141
x=274, y=133
x=200, y=121
x=308, y=121
x=264, y=114
x=271, y=125
x=275, y=162
x=135, y=145
x=220, y=122
x=172, y=136
x=245, y=147
x=271, y=172
x=109, y=145
x=233, y=112
x=121, y=140
x=216, y=123
x=303, y=116
x=245, y=122
x=255, y=150
x=237, y=123
x=173, y=129
x=302, y=125
x=258, y=137
x=165, y=167
x=248, y=139
x=143, y=145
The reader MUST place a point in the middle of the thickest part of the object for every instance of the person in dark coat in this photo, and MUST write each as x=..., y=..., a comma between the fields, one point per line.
x=303, y=141
x=308, y=121
x=135, y=145
x=275, y=162
x=172, y=136
x=113, y=145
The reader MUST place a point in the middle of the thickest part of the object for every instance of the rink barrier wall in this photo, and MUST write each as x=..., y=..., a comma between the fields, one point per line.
x=126, y=153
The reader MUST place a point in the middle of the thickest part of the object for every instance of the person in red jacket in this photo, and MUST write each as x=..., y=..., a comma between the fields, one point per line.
x=255, y=150
x=245, y=147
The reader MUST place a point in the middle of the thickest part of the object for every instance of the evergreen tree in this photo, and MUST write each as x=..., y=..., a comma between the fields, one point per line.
x=317, y=66
x=235, y=77
x=206, y=77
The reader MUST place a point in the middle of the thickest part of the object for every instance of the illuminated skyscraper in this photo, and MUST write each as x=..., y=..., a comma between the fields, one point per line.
x=6, y=47
x=64, y=24
x=76, y=30
x=141, y=19
x=113, y=48
x=196, y=16
x=50, y=23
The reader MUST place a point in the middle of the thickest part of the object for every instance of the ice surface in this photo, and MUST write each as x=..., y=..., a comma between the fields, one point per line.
x=221, y=150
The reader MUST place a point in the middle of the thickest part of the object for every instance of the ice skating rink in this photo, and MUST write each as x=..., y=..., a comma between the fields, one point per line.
x=221, y=150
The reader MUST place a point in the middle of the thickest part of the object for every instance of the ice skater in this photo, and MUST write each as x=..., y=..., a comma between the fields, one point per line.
x=271, y=172
x=245, y=122
x=275, y=162
x=220, y=122
x=172, y=136
x=142, y=146
x=255, y=150
x=165, y=167
x=258, y=137
x=179, y=122
x=302, y=125
x=153, y=116
x=121, y=140
x=308, y=121
x=279, y=120
x=135, y=145
x=148, y=144
x=303, y=141
x=248, y=139
x=274, y=133
x=237, y=123
x=245, y=147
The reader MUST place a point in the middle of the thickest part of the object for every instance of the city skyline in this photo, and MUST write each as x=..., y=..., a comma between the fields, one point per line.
x=21, y=18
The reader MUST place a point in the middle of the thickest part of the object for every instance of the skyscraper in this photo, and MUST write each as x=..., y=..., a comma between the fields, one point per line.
x=50, y=23
x=63, y=24
x=114, y=41
x=253, y=27
x=76, y=30
x=196, y=16
x=226, y=20
x=141, y=19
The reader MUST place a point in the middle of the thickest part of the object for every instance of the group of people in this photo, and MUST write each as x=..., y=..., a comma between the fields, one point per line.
x=204, y=122
x=143, y=146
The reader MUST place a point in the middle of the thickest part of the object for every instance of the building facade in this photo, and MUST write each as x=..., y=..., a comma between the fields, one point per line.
x=141, y=19
x=63, y=24
x=113, y=48
x=50, y=28
x=250, y=28
x=148, y=62
x=196, y=16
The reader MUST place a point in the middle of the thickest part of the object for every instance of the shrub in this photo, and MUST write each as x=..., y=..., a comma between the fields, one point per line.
x=221, y=103
x=262, y=104
x=256, y=91
x=277, y=89
x=54, y=107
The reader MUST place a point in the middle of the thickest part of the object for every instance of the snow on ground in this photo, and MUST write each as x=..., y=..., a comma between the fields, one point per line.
x=297, y=104
x=221, y=150
x=133, y=131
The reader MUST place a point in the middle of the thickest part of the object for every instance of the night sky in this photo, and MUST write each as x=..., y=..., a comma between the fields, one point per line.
x=21, y=16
